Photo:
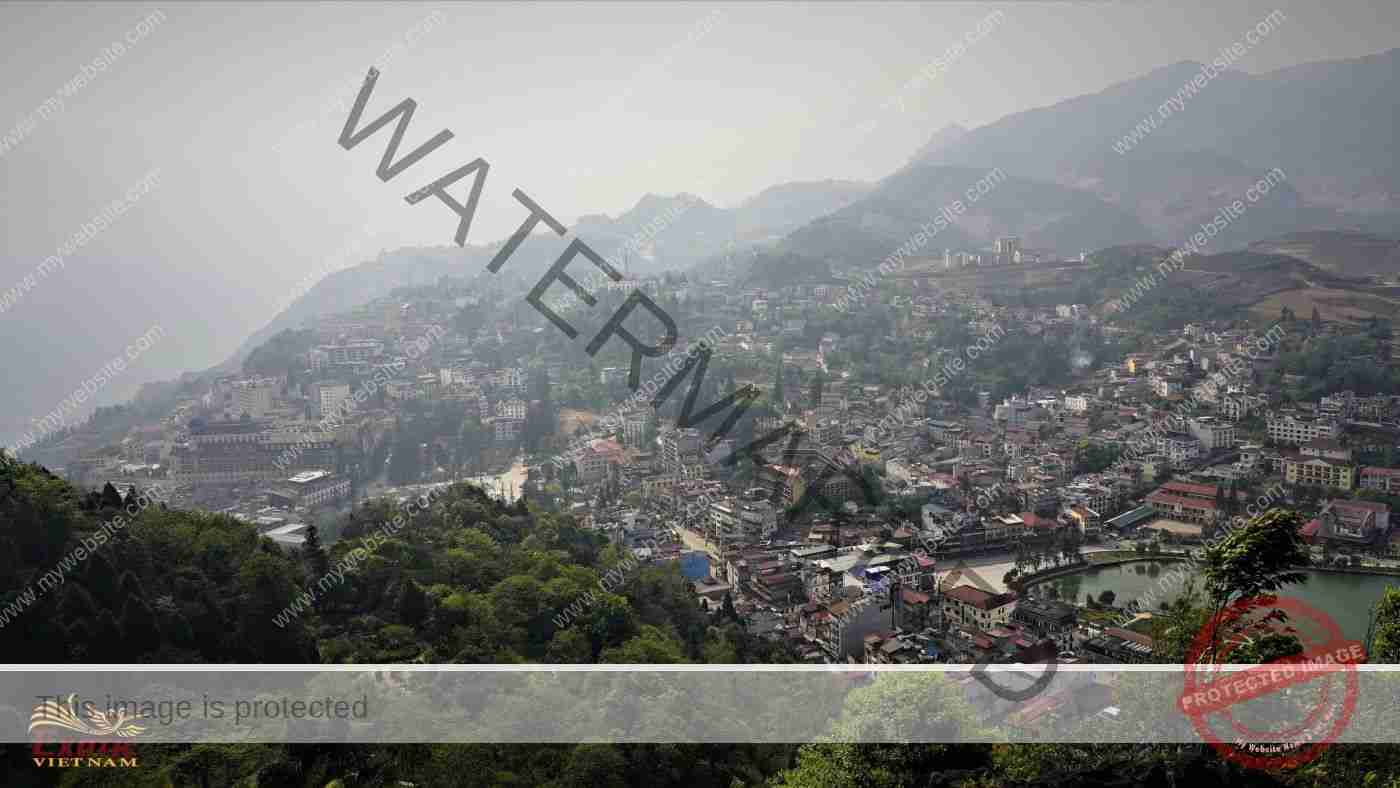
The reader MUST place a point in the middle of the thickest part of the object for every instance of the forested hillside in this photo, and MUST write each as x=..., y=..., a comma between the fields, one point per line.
x=464, y=580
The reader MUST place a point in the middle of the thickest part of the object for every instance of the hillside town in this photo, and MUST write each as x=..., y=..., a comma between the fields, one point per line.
x=894, y=514
x=679, y=395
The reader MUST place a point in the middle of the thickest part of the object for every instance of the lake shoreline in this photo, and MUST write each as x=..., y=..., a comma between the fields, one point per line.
x=1345, y=594
x=1096, y=561
x=1103, y=560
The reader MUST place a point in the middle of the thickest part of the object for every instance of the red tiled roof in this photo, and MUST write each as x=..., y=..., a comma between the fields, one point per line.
x=1370, y=506
x=971, y=595
x=912, y=597
x=608, y=447
x=1189, y=489
x=1189, y=503
x=1033, y=520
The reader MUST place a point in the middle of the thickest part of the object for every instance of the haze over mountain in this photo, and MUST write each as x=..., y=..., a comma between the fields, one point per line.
x=1067, y=189
x=1344, y=253
x=1328, y=126
x=239, y=110
x=940, y=140
x=785, y=207
x=658, y=233
x=1043, y=214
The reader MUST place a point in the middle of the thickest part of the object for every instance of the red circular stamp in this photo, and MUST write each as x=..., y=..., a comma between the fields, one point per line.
x=1218, y=701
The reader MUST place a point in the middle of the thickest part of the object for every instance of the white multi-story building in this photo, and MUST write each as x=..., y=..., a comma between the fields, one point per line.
x=1214, y=434
x=512, y=378
x=680, y=447
x=513, y=408
x=634, y=429
x=253, y=397
x=1179, y=448
x=329, y=396
x=1288, y=428
x=1007, y=249
x=508, y=430
x=348, y=354
x=746, y=519
x=1234, y=406
x=1338, y=406
x=1076, y=403
x=311, y=488
x=1093, y=496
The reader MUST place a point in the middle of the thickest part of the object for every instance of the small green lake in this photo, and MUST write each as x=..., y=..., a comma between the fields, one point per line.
x=1346, y=598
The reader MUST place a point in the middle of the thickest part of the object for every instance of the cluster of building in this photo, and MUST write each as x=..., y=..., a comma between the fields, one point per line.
x=1006, y=250
x=834, y=536
x=300, y=434
x=1193, y=435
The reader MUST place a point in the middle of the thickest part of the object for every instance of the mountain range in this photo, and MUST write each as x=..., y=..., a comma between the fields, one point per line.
x=1324, y=129
x=1330, y=126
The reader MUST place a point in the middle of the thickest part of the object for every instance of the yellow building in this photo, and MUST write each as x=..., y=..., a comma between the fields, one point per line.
x=1317, y=472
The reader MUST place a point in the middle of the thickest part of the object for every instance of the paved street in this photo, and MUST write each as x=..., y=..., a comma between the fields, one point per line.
x=990, y=568
x=694, y=541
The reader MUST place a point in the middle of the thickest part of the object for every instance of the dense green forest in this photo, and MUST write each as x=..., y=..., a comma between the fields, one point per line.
x=1328, y=364
x=470, y=580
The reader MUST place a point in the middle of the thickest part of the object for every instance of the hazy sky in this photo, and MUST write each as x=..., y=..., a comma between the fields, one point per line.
x=584, y=106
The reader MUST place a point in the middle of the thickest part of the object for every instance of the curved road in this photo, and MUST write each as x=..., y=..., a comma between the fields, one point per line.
x=992, y=567
x=989, y=567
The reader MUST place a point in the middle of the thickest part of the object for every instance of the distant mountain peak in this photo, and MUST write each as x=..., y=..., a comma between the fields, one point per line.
x=1182, y=65
x=792, y=187
x=652, y=201
x=948, y=135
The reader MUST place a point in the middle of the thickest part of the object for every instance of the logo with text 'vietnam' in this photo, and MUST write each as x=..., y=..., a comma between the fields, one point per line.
x=58, y=717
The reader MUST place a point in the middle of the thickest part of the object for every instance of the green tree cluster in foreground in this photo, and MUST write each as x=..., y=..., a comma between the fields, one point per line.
x=471, y=580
